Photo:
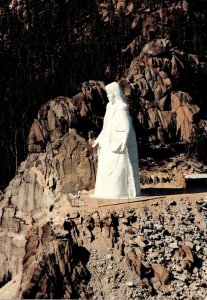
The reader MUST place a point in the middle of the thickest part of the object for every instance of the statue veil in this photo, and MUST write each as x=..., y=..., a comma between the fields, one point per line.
x=115, y=89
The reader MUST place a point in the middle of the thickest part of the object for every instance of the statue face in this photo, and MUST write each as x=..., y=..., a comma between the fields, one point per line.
x=111, y=97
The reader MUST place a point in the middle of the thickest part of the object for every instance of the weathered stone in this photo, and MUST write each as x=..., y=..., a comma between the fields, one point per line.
x=188, y=253
x=173, y=245
x=156, y=283
x=161, y=272
x=140, y=241
x=130, y=283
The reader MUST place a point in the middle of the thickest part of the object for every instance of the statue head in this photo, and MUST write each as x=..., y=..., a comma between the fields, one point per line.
x=114, y=92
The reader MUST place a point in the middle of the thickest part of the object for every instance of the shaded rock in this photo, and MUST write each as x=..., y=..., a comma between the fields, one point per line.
x=161, y=272
x=47, y=255
x=188, y=253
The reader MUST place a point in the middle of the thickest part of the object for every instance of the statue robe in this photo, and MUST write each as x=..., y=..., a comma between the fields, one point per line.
x=117, y=173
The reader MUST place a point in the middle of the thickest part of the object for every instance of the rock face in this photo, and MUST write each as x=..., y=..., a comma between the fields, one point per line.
x=169, y=113
x=50, y=247
x=60, y=161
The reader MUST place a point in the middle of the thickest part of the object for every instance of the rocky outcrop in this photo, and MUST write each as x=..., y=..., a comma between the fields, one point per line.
x=83, y=111
x=43, y=176
x=45, y=256
x=50, y=247
x=61, y=159
x=165, y=113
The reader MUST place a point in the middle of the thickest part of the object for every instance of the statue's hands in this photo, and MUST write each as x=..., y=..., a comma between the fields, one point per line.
x=94, y=143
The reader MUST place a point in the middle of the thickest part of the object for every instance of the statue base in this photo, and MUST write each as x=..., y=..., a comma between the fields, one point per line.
x=98, y=201
x=113, y=198
x=89, y=201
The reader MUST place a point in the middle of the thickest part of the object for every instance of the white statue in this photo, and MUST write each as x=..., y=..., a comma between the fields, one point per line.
x=117, y=174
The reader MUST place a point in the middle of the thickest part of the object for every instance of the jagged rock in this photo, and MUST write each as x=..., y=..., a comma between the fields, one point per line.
x=188, y=253
x=141, y=241
x=65, y=230
x=161, y=272
x=69, y=160
x=46, y=252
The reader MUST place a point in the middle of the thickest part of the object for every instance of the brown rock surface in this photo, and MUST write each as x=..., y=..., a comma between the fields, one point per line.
x=161, y=272
x=84, y=251
x=166, y=109
x=50, y=247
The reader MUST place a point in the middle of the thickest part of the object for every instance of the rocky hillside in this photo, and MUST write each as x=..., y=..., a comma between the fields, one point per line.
x=56, y=57
x=153, y=249
x=49, y=48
